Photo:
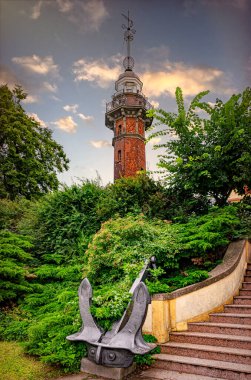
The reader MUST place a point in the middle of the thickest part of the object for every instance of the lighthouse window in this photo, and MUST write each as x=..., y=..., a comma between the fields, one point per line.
x=119, y=155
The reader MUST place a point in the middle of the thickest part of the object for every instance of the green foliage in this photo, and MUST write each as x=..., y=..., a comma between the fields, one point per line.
x=63, y=222
x=189, y=277
x=109, y=302
x=116, y=255
x=244, y=214
x=134, y=195
x=29, y=157
x=45, y=318
x=61, y=225
x=11, y=213
x=118, y=251
x=147, y=359
x=155, y=284
x=158, y=282
x=14, y=257
x=207, y=157
x=204, y=234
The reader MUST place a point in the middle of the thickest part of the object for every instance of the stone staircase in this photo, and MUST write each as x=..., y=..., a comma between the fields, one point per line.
x=218, y=349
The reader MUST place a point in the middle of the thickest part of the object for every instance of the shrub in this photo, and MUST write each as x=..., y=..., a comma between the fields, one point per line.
x=11, y=213
x=134, y=195
x=208, y=234
x=244, y=214
x=63, y=222
x=122, y=245
x=14, y=258
x=61, y=225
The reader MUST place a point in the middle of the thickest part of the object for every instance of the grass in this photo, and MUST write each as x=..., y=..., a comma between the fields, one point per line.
x=15, y=365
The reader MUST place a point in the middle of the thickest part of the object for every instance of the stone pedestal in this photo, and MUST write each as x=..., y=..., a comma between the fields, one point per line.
x=107, y=372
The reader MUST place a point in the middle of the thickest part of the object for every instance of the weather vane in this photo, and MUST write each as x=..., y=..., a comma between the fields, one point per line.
x=128, y=62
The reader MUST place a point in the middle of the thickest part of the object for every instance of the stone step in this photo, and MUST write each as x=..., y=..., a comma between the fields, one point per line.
x=245, y=292
x=162, y=374
x=239, y=319
x=247, y=278
x=204, y=367
x=246, y=285
x=248, y=272
x=221, y=328
x=210, y=339
x=227, y=354
x=242, y=300
x=238, y=309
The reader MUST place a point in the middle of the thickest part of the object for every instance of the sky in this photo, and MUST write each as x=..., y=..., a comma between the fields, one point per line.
x=67, y=55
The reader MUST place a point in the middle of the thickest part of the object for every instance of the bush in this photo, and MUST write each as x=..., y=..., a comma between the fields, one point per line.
x=134, y=195
x=63, y=222
x=15, y=256
x=61, y=225
x=244, y=214
x=208, y=234
x=12, y=212
x=119, y=250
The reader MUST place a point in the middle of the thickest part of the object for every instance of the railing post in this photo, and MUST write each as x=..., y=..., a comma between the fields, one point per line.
x=160, y=320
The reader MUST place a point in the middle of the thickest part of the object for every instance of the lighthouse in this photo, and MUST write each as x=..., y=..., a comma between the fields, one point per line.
x=126, y=116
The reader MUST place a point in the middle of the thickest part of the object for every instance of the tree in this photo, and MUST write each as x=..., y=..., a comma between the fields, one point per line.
x=29, y=157
x=207, y=156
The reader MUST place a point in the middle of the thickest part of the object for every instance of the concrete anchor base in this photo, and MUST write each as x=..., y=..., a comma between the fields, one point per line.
x=107, y=372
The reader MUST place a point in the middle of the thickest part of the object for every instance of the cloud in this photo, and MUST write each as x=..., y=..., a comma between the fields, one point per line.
x=154, y=140
x=161, y=79
x=30, y=99
x=97, y=71
x=88, y=15
x=100, y=143
x=67, y=124
x=50, y=87
x=36, y=10
x=71, y=108
x=154, y=103
x=8, y=77
x=64, y=6
x=36, y=118
x=86, y=118
x=192, y=79
x=55, y=98
x=95, y=13
x=212, y=104
x=38, y=65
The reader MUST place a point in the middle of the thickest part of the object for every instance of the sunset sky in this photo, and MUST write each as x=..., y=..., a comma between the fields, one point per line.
x=67, y=55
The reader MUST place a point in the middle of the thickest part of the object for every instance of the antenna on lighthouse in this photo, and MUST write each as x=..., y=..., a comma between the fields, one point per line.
x=128, y=62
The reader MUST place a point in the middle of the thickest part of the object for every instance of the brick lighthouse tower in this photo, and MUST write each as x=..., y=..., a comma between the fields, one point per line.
x=126, y=116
